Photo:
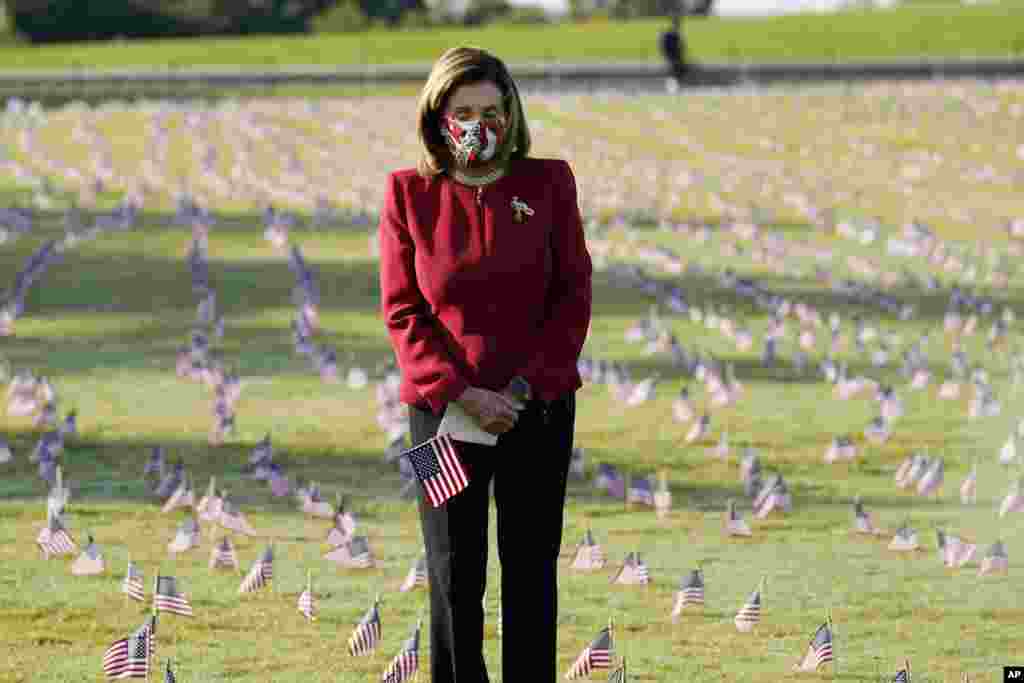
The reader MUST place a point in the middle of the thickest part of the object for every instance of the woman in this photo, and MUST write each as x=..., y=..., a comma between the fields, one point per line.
x=485, y=277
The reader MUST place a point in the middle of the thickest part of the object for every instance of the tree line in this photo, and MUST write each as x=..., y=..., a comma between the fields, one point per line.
x=41, y=21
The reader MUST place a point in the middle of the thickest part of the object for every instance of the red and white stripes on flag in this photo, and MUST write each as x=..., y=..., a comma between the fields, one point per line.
x=597, y=655
x=366, y=635
x=749, y=614
x=437, y=466
x=406, y=662
x=691, y=592
x=819, y=651
x=168, y=599
x=54, y=540
x=132, y=584
x=307, y=604
x=130, y=657
x=223, y=555
x=260, y=574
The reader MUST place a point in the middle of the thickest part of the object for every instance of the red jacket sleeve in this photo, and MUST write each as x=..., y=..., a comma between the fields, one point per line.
x=561, y=336
x=423, y=357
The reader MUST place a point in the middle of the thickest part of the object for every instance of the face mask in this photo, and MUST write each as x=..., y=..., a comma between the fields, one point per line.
x=472, y=142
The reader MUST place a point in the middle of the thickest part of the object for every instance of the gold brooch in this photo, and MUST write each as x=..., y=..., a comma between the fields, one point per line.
x=520, y=209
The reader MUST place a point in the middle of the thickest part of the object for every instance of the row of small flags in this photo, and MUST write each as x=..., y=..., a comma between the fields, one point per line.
x=599, y=654
x=130, y=657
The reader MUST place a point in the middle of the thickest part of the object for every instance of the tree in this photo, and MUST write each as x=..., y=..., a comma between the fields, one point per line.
x=64, y=20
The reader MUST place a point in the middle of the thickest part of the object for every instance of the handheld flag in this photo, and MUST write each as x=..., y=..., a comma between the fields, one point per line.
x=437, y=466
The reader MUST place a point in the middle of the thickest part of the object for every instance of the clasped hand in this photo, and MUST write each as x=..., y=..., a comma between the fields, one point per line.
x=495, y=412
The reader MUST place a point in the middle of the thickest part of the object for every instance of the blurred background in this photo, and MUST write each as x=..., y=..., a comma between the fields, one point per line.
x=74, y=20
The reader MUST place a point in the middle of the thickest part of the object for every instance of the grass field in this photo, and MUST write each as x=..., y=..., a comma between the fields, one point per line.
x=909, y=32
x=106, y=321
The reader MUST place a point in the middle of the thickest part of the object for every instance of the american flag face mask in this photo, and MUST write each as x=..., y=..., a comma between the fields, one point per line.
x=472, y=142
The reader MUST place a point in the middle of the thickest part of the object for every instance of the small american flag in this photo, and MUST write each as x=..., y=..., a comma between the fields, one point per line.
x=417, y=575
x=168, y=674
x=611, y=480
x=902, y=676
x=168, y=599
x=862, y=523
x=307, y=604
x=734, y=524
x=366, y=635
x=819, y=651
x=996, y=560
x=905, y=539
x=54, y=539
x=640, y=491
x=356, y=554
x=187, y=536
x=232, y=518
x=90, y=562
x=969, y=487
x=132, y=584
x=438, y=468
x=406, y=662
x=223, y=555
x=749, y=614
x=210, y=504
x=261, y=573
x=618, y=675
x=956, y=552
x=633, y=571
x=597, y=655
x=691, y=592
x=589, y=555
x=662, y=497
x=130, y=657
x=183, y=497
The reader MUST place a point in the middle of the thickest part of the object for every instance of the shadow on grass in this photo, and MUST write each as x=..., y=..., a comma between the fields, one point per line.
x=112, y=472
x=704, y=289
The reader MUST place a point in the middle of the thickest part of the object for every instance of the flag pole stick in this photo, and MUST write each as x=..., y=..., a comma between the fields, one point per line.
x=906, y=663
x=832, y=630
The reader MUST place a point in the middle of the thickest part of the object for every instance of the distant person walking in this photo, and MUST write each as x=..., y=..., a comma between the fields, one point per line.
x=673, y=49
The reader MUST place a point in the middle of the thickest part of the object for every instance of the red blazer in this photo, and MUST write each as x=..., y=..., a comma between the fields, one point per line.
x=470, y=296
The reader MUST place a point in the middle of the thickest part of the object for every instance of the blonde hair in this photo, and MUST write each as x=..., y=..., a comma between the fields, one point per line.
x=456, y=67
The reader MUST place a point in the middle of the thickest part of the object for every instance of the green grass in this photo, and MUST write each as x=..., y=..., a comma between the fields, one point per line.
x=107, y=320
x=911, y=32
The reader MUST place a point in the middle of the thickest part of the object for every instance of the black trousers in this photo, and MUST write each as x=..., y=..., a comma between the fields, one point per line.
x=529, y=466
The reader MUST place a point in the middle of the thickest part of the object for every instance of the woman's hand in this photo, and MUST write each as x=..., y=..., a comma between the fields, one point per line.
x=496, y=413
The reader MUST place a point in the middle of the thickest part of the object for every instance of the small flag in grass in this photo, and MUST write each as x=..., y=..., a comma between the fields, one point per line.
x=260, y=574
x=406, y=663
x=597, y=655
x=417, y=575
x=749, y=614
x=819, y=651
x=130, y=657
x=366, y=635
x=168, y=599
x=132, y=584
x=223, y=555
x=691, y=592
